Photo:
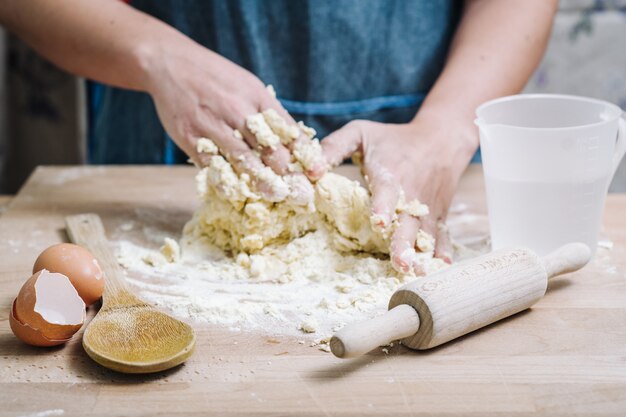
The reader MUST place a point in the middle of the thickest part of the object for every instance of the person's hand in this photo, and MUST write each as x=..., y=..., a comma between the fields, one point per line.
x=199, y=94
x=419, y=158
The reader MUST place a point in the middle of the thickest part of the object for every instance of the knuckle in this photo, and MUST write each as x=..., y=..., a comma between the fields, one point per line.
x=357, y=125
x=362, y=124
x=232, y=113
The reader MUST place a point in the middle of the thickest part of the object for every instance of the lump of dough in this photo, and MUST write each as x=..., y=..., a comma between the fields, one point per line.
x=265, y=136
x=425, y=242
x=286, y=132
x=308, y=153
x=309, y=325
x=238, y=219
x=345, y=205
x=413, y=207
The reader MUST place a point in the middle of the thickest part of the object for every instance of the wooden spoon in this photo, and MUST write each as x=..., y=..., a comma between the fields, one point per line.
x=127, y=335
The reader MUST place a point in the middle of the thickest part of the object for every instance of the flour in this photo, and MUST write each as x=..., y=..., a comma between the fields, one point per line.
x=282, y=288
x=305, y=284
x=46, y=413
x=287, y=266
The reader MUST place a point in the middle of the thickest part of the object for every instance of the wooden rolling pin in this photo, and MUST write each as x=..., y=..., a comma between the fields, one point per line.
x=458, y=300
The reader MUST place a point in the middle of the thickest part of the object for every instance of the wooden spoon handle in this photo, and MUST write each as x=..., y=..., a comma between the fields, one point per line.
x=359, y=338
x=87, y=231
x=567, y=258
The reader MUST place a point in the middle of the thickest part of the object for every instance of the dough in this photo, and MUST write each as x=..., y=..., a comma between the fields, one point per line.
x=237, y=219
x=286, y=132
x=170, y=250
x=205, y=145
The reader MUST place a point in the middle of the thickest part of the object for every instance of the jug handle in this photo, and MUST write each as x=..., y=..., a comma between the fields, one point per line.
x=620, y=146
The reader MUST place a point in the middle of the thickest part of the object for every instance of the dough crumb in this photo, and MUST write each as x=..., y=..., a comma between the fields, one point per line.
x=308, y=153
x=265, y=136
x=309, y=325
x=154, y=259
x=170, y=250
x=205, y=145
x=309, y=132
x=279, y=188
x=425, y=242
x=279, y=126
x=414, y=208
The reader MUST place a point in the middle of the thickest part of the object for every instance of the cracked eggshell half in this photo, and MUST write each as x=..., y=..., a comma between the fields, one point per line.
x=28, y=334
x=76, y=263
x=48, y=310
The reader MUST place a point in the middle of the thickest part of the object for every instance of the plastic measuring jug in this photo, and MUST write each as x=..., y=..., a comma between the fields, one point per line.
x=548, y=161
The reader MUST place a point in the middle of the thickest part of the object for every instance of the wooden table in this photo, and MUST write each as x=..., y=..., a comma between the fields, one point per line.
x=4, y=202
x=567, y=355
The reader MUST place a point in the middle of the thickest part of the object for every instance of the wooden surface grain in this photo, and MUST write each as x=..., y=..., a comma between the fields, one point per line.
x=567, y=355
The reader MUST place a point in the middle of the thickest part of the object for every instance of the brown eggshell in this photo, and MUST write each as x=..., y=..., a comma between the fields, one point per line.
x=76, y=263
x=57, y=297
x=28, y=334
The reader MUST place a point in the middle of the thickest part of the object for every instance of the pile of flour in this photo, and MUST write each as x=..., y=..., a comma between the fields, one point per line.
x=290, y=266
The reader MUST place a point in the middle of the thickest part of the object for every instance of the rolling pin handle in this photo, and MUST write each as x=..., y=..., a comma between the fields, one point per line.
x=567, y=258
x=359, y=338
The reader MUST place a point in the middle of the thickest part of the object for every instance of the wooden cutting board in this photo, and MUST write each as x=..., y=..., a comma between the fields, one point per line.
x=567, y=355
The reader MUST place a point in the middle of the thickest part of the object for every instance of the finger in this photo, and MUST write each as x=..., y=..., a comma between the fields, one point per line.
x=302, y=192
x=281, y=122
x=204, y=149
x=308, y=152
x=403, y=256
x=443, y=244
x=276, y=158
x=425, y=240
x=269, y=124
x=244, y=160
x=299, y=139
x=270, y=101
x=385, y=194
x=340, y=144
x=257, y=134
x=188, y=144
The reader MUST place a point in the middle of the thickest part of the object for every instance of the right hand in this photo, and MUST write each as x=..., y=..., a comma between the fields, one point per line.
x=199, y=93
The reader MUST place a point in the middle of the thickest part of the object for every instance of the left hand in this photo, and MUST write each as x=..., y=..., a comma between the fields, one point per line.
x=424, y=159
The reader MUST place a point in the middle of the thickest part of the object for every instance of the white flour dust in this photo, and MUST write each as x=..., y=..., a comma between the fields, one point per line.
x=304, y=288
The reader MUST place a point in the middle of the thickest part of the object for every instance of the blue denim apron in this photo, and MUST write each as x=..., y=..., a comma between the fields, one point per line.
x=330, y=61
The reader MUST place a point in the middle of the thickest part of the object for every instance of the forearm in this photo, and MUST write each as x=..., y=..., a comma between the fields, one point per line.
x=105, y=40
x=495, y=50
